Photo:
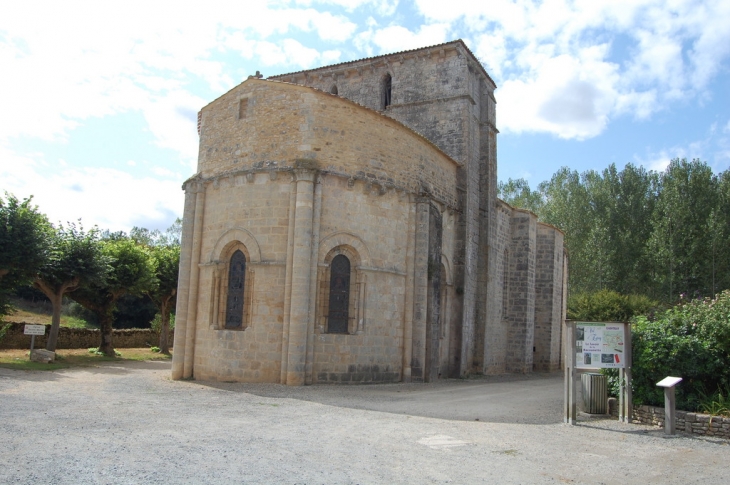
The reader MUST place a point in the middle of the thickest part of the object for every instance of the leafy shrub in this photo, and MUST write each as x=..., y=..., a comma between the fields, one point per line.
x=608, y=306
x=691, y=341
x=717, y=404
x=156, y=323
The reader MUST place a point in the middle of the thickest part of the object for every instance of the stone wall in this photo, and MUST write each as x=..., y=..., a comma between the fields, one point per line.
x=695, y=423
x=334, y=135
x=77, y=338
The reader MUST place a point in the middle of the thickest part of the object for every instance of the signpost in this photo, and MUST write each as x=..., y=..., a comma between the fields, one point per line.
x=40, y=355
x=34, y=330
x=668, y=384
x=598, y=345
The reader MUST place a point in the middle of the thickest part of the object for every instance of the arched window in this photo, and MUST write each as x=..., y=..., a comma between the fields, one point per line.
x=339, y=295
x=387, y=91
x=333, y=89
x=236, y=280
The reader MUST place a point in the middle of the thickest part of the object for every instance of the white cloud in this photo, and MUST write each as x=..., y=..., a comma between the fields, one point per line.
x=109, y=198
x=397, y=38
x=677, y=48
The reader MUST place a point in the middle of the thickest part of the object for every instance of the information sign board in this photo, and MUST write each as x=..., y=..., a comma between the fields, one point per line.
x=600, y=345
x=34, y=330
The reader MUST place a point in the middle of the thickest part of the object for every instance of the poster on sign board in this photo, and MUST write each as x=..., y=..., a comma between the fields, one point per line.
x=600, y=345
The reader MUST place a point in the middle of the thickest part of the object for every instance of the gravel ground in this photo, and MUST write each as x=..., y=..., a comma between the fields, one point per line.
x=129, y=423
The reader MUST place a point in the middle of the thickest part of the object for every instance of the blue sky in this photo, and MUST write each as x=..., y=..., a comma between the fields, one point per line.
x=100, y=98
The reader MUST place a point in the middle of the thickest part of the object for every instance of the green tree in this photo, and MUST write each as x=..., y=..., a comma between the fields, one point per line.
x=517, y=193
x=24, y=243
x=166, y=262
x=74, y=259
x=681, y=246
x=567, y=206
x=171, y=236
x=623, y=204
x=131, y=272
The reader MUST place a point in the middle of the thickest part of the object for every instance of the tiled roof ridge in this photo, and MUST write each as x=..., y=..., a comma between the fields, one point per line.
x=453, y=42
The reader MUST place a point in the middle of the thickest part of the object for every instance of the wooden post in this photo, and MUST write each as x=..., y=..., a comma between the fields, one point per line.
x=668, y=384
x=669, y=413
x=628, y=362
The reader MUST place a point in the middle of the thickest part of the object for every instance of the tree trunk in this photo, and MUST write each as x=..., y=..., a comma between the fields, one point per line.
x=105, y=326
x=164, y=326
x=56, y=298
x=56, y=301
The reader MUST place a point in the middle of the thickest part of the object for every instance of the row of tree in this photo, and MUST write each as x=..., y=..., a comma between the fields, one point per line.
x=93, y=268
x=665, y=235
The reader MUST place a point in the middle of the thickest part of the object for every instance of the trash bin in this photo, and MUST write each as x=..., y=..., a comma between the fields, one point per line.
x=595, y=393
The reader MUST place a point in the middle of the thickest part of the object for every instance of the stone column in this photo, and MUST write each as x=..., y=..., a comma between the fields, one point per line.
x=301, y=277
x=420, y=299
x=183, y=287
x=192, y=303
x=288, y=281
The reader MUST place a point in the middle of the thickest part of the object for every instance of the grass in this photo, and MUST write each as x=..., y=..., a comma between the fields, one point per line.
x=40, y=312
x=66, y=358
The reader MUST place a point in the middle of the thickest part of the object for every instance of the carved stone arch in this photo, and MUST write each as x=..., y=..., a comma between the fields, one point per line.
x=336, y=247
x=447, y=269
x=235, y=237
x=345, y=239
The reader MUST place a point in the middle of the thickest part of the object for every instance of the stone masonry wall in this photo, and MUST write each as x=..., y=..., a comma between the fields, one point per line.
x=520, y=315
x=81, y=338
x=285, y=123
x=695, y=423
x=548, y=298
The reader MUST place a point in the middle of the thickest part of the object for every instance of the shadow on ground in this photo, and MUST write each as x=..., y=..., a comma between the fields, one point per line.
x=525, y=399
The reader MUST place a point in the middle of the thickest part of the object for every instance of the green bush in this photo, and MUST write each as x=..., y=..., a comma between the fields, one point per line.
x=691, y=341
x=608, y=306
x=156, y=323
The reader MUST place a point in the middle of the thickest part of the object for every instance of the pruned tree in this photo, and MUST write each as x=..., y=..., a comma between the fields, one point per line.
x=74, y=258
x=131, y=271
x=166, y=265
x=24, y=242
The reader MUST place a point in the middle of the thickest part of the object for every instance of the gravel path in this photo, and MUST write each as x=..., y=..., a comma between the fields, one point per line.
x=127, y=423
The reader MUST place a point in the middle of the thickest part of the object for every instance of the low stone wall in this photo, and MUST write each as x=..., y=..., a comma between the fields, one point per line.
x=696, y=423
x=77, y=338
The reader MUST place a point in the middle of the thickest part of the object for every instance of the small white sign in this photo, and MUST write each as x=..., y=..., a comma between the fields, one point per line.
x=35, y=330
x=669, y=381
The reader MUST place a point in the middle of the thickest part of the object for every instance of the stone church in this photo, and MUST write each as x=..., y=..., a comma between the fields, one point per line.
x=344, y=227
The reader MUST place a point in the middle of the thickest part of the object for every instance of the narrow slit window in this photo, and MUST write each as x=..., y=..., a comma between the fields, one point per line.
x=236, y=281
x=242, y=107
x=387, y=90
x=339, y=301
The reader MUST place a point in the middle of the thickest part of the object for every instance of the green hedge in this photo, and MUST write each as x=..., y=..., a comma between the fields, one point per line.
x=608, y=306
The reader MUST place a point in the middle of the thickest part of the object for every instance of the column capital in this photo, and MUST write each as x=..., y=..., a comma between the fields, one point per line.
x=305, y=174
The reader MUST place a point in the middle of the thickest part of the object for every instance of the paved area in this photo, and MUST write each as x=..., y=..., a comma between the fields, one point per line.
x=128, y=423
